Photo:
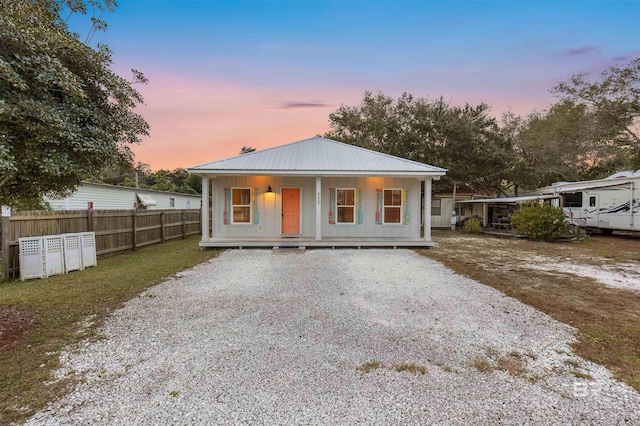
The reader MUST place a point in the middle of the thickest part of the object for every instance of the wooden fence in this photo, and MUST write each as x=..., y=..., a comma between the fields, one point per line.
x=116, y=230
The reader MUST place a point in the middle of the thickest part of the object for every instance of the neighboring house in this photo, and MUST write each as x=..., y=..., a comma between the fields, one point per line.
x=316, y=192
x=443, y=204
x=110, y=197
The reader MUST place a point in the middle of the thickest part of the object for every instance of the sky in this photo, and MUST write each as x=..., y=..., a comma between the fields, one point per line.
x=225, y=74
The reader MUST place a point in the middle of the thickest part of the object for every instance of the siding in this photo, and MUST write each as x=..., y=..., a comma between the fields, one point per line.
x=107, y=197
x=269, y=207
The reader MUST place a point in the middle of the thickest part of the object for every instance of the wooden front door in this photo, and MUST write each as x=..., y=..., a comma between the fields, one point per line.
x=291, y=211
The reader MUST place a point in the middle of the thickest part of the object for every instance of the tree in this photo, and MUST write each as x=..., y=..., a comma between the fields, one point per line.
x=465, y=140
x=540, y=221
x=63, y=113
x=613, y=100
x=564, y=143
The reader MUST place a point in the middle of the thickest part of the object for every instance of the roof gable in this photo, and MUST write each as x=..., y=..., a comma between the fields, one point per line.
x=317, y=155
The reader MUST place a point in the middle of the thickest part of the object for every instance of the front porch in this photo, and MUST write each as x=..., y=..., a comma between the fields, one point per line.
x=302, y=242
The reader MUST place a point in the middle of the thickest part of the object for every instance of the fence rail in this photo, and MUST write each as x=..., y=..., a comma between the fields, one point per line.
x=116, y=230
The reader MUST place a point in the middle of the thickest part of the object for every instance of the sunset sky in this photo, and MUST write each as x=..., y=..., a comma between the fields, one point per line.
x=224, y=74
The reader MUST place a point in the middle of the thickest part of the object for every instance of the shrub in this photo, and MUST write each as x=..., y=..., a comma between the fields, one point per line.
x=542, y=222
x=472, y=226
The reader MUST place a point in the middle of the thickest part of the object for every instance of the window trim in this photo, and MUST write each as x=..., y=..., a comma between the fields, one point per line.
x=352, y=206
x=439, y=206
x=250, y=205
x=401, y=206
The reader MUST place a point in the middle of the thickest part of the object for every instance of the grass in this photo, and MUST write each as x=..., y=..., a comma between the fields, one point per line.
x=607, y=319
x=369, y=366
x=57, y=307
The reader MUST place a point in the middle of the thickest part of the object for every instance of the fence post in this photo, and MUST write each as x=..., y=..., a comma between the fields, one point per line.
x=5, y=247
x=135, y=229
x=184, y=225
x=162, y=226
x=90, y=220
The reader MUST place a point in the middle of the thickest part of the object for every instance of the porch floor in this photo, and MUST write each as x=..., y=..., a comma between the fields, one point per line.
x=305, y=242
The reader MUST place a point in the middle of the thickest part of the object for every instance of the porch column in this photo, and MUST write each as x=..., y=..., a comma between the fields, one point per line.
x=318, y=208
x=204, y=218
x=427, y=209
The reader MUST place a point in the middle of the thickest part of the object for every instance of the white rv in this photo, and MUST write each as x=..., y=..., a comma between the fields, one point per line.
x=609, y=204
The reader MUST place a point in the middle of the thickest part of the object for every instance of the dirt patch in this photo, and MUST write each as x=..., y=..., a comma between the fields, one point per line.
x=13, y=325
x=592, y=285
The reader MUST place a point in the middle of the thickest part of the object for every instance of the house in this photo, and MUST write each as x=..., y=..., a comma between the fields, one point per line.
x=316, y=192
x=100, y=196
x=446, y=202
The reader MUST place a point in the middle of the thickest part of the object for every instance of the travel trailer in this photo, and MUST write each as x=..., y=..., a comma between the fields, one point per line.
x=609, y=204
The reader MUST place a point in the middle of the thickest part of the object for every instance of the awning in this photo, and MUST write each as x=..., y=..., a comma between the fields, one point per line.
x=146, y=200
x=582, y=186
x=510, y=200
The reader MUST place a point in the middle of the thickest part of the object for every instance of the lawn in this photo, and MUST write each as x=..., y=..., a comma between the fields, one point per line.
x=587, y=284
x=38, y=318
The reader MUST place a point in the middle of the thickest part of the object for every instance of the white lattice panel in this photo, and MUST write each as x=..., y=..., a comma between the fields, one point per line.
x=72, y=252
x=88, y=248
x=31, y=258
x=53, y=254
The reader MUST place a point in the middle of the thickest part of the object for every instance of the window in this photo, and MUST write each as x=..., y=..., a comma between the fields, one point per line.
x=346, y=205
x=459, y=209
x=172, y=202
x=241, y=205
x=592, y=201
x=392, y=211
x=572, y=200
x=436, y=207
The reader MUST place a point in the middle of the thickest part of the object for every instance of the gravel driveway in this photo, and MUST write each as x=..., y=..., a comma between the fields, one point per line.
x=333, y=337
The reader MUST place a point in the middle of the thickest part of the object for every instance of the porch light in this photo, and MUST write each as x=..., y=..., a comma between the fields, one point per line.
x=269, y=190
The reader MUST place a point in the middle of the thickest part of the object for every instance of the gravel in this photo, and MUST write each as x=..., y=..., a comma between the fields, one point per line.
x=333, y=337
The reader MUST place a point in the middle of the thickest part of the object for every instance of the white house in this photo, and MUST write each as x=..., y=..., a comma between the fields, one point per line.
x=110, y=197
x=316, y=192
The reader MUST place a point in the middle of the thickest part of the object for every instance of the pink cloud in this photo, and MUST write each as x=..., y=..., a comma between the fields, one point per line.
x=195, y=121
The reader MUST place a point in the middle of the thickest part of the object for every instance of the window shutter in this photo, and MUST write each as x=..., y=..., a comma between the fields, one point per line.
x=332, y=206
x=359, y=205
x=379, y=206
x=227, y=205
x=254, y=205
x=405, y=193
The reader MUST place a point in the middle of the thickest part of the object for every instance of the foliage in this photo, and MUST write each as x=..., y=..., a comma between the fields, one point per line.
x=540, y=221
x=464, y=140
x=472, y=226
x=561, y=144
x=614, y=102
x=63, y=113
x=125, y=174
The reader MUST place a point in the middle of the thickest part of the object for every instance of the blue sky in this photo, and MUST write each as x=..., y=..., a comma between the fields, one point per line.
x=224, y=74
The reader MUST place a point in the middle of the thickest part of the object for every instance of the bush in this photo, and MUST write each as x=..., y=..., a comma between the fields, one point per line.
x=472, y=226
x=542, y=222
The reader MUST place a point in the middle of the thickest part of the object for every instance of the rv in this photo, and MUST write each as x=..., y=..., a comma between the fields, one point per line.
x=609, y=204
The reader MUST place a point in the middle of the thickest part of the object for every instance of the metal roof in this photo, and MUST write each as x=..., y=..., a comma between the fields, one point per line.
x=315, y=156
